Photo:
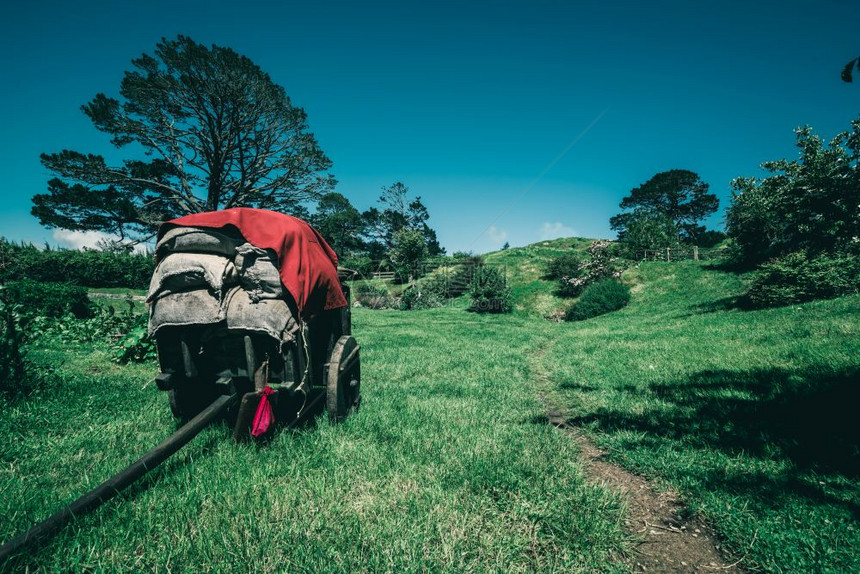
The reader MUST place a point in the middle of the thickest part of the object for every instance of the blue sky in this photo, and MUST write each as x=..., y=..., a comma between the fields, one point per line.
x=467, y=103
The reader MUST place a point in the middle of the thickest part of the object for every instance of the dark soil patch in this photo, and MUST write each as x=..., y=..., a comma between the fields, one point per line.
x=668, y=539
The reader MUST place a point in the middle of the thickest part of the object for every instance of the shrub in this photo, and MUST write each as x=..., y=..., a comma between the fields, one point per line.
x=50, y=299
x=89, y=268
x=426, y=296
x=602, y=264
x=16, y=372
x=490, y=292
x=598, y=299
x=799, y=277
x=563, y=268
x=135, y=344
x=373, y=296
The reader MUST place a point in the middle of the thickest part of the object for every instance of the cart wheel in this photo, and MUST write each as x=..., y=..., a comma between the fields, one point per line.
x=343, y=379
x=186, y=403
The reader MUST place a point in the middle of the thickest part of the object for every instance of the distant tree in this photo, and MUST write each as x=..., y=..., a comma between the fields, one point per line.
x=215, y=132
x=647, y=231
x=810, y=203
x=506, y=246
x=339, y=223
x=408, y=251
x=679, y=195
x=399, y=212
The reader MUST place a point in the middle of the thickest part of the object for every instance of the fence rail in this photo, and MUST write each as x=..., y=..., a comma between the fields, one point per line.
x=382, y=275
x=679, y=254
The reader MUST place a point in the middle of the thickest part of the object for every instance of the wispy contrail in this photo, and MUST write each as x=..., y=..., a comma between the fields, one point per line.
x=543, y=173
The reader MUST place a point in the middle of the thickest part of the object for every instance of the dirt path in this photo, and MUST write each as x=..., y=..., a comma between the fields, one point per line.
x=668, y=542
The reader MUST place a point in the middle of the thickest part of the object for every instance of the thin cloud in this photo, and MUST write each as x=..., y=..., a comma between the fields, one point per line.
x=88, y=239
x=555, y=230
x=496, y=235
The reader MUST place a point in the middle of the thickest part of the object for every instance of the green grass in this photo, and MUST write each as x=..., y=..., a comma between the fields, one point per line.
x=524, y=268
x=117, y=290
x=750, y=415
x=447, y=467
x=451, y=465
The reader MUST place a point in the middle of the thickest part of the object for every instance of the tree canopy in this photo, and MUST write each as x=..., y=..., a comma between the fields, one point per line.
x=399, y=212
x=674, y=201
x=810, y=203
x=205, y=129
x=339, y=223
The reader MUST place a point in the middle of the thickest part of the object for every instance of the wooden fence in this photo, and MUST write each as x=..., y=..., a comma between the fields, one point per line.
x=382, y=275
x=679, y=254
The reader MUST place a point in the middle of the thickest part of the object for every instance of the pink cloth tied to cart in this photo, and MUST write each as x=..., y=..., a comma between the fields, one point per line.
x=264, y=418
x=307, y=265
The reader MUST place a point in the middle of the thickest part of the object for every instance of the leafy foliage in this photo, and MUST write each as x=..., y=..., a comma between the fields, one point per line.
x=135, y=344
x=339, y=223
x=648, y=231
x=89, y=268
x=603, y=263
x=490, y=292
x=422, y=296
x=50, y=299
x=374, y=296
x=800, y=276
x=220, y=133
x=408, y=250
x=808, y=203
x=562, y=269
x=398, y=213
x=17, y=374
x=674, y=200
x=600, y=298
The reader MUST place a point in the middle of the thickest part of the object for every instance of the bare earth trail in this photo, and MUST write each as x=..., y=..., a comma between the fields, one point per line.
x=667, y=539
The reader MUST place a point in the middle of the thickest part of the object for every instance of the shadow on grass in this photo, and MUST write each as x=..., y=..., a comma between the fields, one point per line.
x=809, y=418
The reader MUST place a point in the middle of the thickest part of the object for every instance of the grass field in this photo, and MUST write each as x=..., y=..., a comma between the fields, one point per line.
x=451, y=464
x=446, y=467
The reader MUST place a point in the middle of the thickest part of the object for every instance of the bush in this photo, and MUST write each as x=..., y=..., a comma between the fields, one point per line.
x=426, y=296
x=602, y=264
x=373, y=296
x=563, y=268
x=50, y=299
x=598, y=299
x=16, y=372
x=89, y=268
x=490, y=292
x=799, y=277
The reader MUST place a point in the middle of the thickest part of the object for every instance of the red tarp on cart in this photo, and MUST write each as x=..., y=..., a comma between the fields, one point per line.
x=307, y=265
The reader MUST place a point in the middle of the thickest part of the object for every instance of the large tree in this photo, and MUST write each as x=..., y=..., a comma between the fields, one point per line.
x=399, y=212
x=340, y=223
x=205, y=129
x=810, y=203
x=677, y=195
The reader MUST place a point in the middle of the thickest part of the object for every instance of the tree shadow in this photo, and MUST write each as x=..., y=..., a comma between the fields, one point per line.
x=810, y=417
x=807, y=417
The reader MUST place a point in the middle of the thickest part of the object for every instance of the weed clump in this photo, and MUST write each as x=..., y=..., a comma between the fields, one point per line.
x=374, y=296
x=419, y=296
x=598, y=299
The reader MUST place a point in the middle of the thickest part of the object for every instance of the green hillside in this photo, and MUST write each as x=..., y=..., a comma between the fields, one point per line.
x=524, y=268
x=452, y=465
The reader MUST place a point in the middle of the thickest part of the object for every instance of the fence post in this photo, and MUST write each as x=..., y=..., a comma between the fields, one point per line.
x=668, y=257
x=695, y=252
